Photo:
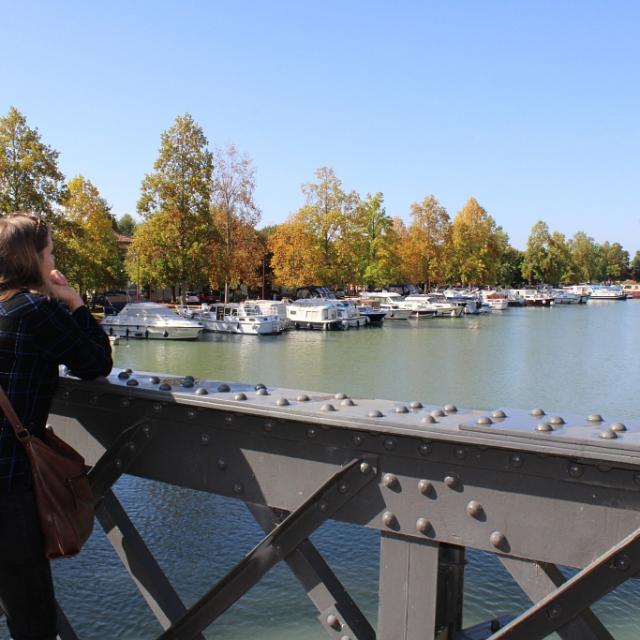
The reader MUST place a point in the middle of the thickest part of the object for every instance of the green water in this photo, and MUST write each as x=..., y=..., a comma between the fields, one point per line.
x=567, y=359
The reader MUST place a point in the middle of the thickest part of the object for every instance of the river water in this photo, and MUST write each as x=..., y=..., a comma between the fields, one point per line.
x=573, y=359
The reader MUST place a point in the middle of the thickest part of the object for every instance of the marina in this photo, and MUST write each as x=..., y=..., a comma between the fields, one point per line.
x=479, y=361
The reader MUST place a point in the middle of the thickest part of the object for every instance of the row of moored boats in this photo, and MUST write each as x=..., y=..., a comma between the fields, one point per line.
x=322, y=310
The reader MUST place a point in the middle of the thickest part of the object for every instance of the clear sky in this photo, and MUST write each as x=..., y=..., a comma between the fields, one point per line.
x=532, y=107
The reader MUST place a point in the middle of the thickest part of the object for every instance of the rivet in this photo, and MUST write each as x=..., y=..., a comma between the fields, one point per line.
x=348, y=402
x=262, y=392
x=260, y=386
x=498, y=414
x=365, y=467
x=282, y=402
x=425, y=448
x=544, y=426
x=131, y=446
x=340, y=396
x=595, y=417
x=343, y=487
x=154, y=380
x=618, y=426
x=556, y=421
x=224, y=387
x=460, y=453
x=268, y=426
x=358, y=439
x=191, y=413
x=323, y=506
x=240, y=396
x=303, y=397
x=389, y=444
x=228, y=419
x=201, y=391
x=425, y=487
x=437, y=413
x=484, y=420
x=156, y=408
x=222, y=465
x=333, y=622
x=516, y=460
x=452, y=480
x=621, y=562
x=118, y=463
x=204, y=439
x=428, y=420
x=554, y=611
x=146, y=430
x=416, y=405
x=94, y=399
x=67, y=394
x=311, y=432
x=124, y=403
x=127, y=370
x=327, y=406
x=450, y=408
x=132, y=382
x=497, y=539
x=423, y=525
x=165, y=386
x=389, y=519
x=375, y=414
x=123, y=375
x=401, y=409
x=537, y=412
x=636, y=478
x=607, y=434
x=390, y=480
x=474, y=509
x=187, y=382
x=575, y=470
x=238, y=488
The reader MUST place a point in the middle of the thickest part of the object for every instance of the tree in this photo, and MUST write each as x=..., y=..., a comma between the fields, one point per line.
x=178, y=193
x=126, y=225
x=86, y=246
x=561, y=268
x=30, y=179
x=428, y=239
x=235, y=214
x=535, y=266
x=635, y=267
x=585, y=256
x=477, y=245
x=375, y=243
x=616, y=261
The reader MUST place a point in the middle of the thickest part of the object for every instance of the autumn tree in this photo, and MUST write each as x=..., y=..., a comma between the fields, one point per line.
x=30, y=179
x=585, y=256
x=238, y=252
x=86, y=246
x=535, y=265
x=477, y=245
x=176, y=197
x=561, y=266
x=296, y=258
x=428, y=242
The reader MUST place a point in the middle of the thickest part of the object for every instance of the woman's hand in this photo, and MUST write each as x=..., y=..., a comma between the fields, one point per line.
x=60, y=288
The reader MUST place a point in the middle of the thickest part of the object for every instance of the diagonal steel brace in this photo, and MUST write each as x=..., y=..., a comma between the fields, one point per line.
x=276, y=546
x=118, y=457
x=604, y=574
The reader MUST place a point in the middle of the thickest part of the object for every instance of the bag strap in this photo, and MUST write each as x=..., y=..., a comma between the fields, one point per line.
x=6, y=406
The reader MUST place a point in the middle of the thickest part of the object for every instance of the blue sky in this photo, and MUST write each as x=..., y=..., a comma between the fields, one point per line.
x=533, y=108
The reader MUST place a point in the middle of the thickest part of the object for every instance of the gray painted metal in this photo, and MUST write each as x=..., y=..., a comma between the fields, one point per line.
x=537, y=487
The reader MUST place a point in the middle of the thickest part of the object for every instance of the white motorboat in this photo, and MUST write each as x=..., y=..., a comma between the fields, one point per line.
x=533, y=297
x=245, y=318
x=275, y=308
x=611, y=292
x=349, y=313
x=374, y=315
x=434, y=304
x=497, y=300
x=470, y=301
x=388, y=301
x=152, y=321
x=560, y=296
x=314, y=313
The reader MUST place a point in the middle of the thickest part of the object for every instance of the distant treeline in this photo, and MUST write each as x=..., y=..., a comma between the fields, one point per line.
x=199, y=220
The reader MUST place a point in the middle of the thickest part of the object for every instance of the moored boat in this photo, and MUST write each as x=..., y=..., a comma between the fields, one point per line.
x=245, y=318
x=314, y=314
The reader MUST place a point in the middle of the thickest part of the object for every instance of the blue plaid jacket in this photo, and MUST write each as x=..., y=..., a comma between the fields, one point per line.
x=36, y=335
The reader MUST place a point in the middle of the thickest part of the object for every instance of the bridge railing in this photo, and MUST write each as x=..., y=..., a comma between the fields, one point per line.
x=538, y=490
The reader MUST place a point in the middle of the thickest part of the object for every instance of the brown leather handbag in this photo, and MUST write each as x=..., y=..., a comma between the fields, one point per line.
x=63, y=495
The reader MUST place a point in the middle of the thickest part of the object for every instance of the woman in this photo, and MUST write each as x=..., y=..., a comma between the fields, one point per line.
x=37, y=333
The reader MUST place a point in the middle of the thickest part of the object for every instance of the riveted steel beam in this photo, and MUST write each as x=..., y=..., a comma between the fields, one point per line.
x=277, y=545
x=566, y=602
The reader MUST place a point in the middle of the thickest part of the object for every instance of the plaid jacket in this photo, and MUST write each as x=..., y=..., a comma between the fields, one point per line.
x=36, y=335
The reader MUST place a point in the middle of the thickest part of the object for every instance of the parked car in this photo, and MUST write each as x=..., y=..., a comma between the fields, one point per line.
x=192, y=297
x=209, y=296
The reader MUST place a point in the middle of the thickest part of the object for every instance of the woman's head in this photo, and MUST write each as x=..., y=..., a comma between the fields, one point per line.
x=25, y=245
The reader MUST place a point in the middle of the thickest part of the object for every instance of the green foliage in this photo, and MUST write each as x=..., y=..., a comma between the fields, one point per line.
x=175, y=203
x=126, y=225
x=30, y=179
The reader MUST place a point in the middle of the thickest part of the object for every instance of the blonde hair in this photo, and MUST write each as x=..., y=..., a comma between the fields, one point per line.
x=23, y=237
